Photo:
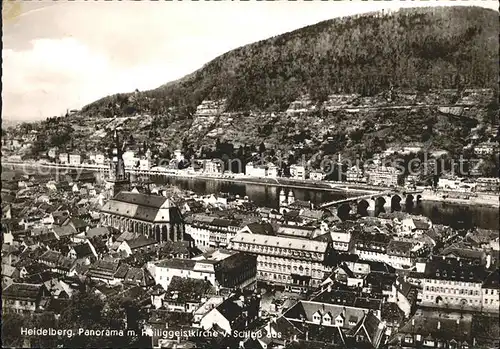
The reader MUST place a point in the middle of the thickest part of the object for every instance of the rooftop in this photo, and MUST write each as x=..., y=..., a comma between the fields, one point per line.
x=22, y=291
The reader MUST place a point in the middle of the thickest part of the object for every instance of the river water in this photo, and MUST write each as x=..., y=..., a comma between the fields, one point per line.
x=454, y=215
x=440, y=213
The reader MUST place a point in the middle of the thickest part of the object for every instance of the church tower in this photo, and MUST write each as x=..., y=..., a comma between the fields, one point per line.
x=117, y=179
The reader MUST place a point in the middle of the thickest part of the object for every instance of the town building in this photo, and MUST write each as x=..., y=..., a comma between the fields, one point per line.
x=52, y=152
x=298, y=172
x=485, y=184
x=63, y=158
x=178, y=155
x=317, y=175
x=137, y=244
x=234, y=313
x=355, y=174
x=485, y=148
x=491, y=292
x=209, y=231
x=431, y=329
x=272, y=170
x=384, y=176
x=255, y=170
x=25, y=298
x=145, y=164
x=372, y=246
x=154, y=216
x=341, y=240
x=129, y=159
x=225, y=270
x=351, y=325
x=212, y=166
x=293, y=263
x=75, y=159
x=450, y=183
x=451, y=284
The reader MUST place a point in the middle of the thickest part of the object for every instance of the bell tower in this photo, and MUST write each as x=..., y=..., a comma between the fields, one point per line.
x=117, y=180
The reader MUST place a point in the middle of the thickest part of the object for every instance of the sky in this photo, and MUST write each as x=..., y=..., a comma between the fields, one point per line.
x=64, y=55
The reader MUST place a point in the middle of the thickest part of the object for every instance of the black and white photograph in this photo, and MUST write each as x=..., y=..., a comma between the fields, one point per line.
x=250, y=174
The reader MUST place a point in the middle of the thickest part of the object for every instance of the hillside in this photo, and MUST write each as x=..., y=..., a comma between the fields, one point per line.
x=414, y=48
x=354, y=85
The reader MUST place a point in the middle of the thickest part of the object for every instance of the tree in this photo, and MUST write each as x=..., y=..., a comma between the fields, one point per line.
x=11, y=328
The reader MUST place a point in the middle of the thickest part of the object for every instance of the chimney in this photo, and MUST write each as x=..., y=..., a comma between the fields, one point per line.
x=439, y=325
x=413, y=322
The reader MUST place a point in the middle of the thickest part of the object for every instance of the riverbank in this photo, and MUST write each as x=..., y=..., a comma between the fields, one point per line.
x=474, y=199
x=230, y=178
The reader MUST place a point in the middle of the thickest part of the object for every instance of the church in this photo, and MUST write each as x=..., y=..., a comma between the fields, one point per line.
x=154, y=216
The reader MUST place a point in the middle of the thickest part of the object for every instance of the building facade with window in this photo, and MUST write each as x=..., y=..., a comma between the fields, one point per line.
x=229, y=270
x=211, y=231
x=293, y=263
x=154, y=216
x=450, y=284
x=25, y=298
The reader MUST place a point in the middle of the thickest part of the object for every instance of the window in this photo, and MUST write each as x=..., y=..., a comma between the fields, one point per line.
x=408, y=339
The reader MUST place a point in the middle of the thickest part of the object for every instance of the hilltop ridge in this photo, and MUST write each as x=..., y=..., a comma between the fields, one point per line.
x=418, y=48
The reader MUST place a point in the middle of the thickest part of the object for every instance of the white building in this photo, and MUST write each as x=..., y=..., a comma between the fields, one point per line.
x=100, y=159
x=297, y=264
x=52, y=153
x=450, y=183
x=255, y=170
x=129, y=159
x=212, y=166
x=75, y=159
x=223, y=269
x=486, y=148
x=272, y=170
x=384, y=176
x=341, y=240
x=298, y=172
x=490, y=293
x=63, y=158
x=355, y=175
x=316, y=175
x=145, y=164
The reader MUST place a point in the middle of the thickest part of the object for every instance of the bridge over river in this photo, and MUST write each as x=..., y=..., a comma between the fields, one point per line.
x=383, y=201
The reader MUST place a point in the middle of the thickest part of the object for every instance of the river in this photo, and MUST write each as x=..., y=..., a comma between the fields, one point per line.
x=440, y=213
x=454, y=215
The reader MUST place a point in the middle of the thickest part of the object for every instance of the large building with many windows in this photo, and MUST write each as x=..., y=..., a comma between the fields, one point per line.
x=491, y=292
x=448, y=283
x=209, y=231
x=293, y=263
x=223, y=269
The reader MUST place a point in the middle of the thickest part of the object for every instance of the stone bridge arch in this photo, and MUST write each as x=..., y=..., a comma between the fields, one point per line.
x=343, y=211
x=362, y=207
x=396, y=203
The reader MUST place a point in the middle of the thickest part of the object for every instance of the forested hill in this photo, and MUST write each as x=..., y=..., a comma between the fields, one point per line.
x=420, y=48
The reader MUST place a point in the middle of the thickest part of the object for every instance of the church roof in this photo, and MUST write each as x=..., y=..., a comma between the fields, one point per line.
x=150, y=208
x=154, y=201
